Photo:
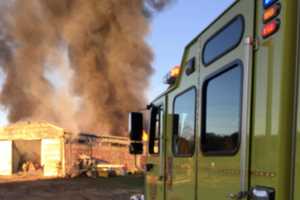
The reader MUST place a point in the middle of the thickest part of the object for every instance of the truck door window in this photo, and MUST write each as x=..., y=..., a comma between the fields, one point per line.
x=223, y=41
x=185, y=109
x=156, y=131
x=221, y=118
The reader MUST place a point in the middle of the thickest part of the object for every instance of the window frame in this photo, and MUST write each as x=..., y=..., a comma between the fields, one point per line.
x=195, y=122
x=160, y=108
x=232, y=47
x=217, y=73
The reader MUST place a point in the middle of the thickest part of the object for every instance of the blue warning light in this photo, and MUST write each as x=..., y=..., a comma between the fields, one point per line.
x=268, y=3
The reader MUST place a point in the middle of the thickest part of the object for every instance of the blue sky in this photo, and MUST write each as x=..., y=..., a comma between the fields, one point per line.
x=173, y=29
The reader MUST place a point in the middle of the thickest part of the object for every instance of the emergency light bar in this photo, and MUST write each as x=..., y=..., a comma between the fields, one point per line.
x=268, y=3
x=271, y=19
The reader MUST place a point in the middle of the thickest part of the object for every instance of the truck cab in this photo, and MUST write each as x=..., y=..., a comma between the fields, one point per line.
x=228, y=126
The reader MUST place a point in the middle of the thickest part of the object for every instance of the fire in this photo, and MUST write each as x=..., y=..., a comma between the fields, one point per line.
x=145, y=136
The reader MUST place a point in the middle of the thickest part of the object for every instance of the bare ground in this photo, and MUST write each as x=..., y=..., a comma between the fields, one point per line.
x=115, y=188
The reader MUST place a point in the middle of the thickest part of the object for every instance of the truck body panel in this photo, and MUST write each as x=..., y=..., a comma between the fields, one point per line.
x=217, y=154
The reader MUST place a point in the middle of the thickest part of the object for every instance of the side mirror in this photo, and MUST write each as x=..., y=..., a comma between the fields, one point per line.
x=136, y=148
x=152, y=130
x=135, y=126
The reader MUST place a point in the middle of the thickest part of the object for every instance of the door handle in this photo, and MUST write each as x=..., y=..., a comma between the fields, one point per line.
x=238, y=196
x=149, y=167
x=232, y=196
x=161, y=178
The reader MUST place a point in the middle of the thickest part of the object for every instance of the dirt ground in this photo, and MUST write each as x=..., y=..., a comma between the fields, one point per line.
x=114, y=188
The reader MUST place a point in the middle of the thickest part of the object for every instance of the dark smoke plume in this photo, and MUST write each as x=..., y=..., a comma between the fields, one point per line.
x=98, y=48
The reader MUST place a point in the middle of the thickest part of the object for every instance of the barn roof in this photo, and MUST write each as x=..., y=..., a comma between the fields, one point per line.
x=31, y=131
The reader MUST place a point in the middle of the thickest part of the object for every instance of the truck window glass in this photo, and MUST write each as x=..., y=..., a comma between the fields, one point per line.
x=223, y=41
x=154, y=140
x=222, y=102
x=184, y=139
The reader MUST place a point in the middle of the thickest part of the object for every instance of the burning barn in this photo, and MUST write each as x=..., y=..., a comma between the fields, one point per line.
x=33, y=147
x=40, y=148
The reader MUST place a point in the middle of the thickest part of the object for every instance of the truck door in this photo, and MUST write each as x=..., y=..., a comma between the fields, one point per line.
x=225, y=84
x=181, y=152
x=155, y=166
x=296, y=139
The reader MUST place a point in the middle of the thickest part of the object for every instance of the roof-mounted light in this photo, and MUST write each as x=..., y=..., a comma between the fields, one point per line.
x=175, y=71
x=172, y=76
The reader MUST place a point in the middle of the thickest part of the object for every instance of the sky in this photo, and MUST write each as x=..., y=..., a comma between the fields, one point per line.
x=171, y=31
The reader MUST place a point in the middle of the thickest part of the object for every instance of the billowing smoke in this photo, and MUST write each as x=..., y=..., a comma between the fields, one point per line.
x=81, y=64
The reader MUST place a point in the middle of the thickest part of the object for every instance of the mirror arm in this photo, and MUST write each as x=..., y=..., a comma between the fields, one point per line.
x=149, y=106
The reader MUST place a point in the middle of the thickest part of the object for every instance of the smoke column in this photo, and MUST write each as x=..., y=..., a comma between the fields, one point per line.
x=96, y=47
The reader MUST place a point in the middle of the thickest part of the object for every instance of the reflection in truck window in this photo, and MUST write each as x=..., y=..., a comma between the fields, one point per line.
x=184, y=139
x=222, y=112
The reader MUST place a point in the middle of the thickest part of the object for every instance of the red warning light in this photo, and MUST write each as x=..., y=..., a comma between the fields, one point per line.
x=270, y=28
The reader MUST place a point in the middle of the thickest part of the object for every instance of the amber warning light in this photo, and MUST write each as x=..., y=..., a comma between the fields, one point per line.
x=270, y=28
x=271, y=12
x=171, y=77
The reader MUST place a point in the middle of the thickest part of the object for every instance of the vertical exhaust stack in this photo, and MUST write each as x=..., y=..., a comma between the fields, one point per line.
x=104, y=50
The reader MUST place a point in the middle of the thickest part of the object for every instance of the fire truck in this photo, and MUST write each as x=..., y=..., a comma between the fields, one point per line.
x=228, y=126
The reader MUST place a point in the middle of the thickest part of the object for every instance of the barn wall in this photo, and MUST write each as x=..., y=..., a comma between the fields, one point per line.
x=115, y=155
x=112, y=154
x=52, y=157
x=6, y=157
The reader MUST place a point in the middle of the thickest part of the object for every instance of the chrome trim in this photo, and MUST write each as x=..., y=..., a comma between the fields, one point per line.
x=162, y=143
x=246, y=110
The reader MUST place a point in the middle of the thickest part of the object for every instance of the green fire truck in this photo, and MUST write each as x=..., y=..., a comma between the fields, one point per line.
x=228, y=126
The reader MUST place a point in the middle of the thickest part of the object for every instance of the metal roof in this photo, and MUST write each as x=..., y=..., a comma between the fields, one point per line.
x=31, y=131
